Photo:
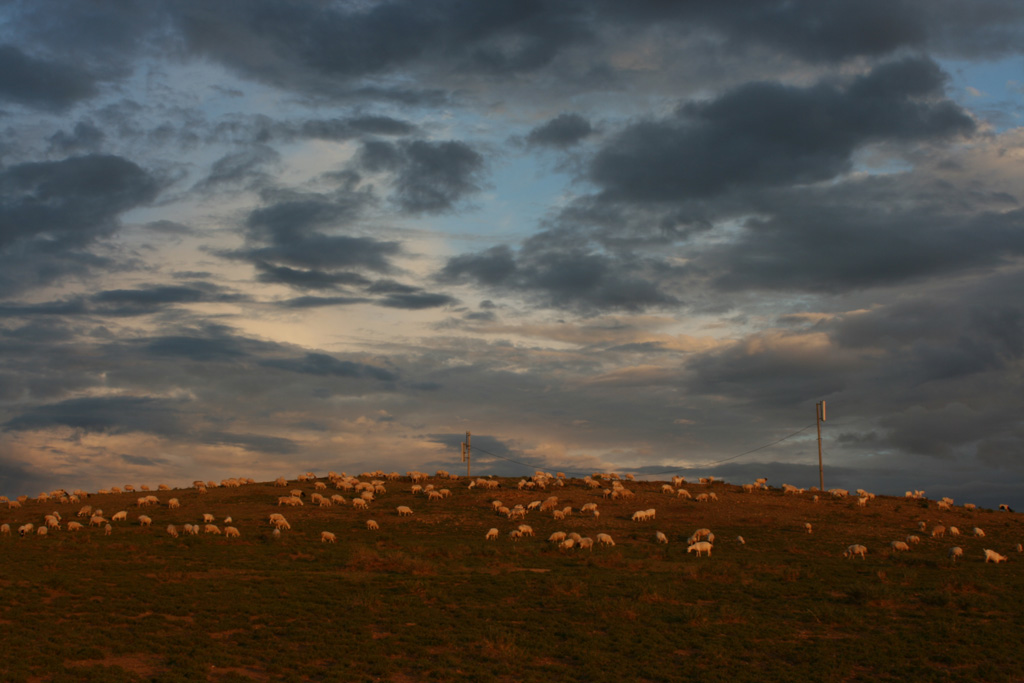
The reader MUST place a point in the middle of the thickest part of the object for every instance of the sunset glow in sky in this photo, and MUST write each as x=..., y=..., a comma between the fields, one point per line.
x=259, y=238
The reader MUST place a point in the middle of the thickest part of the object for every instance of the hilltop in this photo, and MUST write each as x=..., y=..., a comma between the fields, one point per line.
x=427, y=597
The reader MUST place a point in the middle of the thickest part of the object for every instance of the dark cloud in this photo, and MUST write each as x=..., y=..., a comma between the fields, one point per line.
x=565, y=130
x=243, y=168
x=307, y=278
x=324, y=365
x=417, y=301
x=84, y=138
x=565, y=276
x=769, y=134
x=867, y=232
x=40, y=83
x=106, y=415
x=428, y=177
x=322, y=301
x=71, y=202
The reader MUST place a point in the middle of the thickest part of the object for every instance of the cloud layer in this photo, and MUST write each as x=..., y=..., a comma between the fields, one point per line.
x=259, y=238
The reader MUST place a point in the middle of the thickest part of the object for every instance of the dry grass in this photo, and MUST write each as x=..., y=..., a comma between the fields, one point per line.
x=426, y=597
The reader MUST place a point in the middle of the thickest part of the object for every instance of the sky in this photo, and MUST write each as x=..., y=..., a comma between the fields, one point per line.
x=259, y=238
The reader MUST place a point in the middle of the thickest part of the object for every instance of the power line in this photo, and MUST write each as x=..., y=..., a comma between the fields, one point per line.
x=668, y=471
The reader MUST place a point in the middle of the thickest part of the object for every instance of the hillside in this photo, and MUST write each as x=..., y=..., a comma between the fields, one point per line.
x=426, y=597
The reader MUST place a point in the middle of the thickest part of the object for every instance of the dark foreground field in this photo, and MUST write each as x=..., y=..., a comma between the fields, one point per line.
x=427, y=598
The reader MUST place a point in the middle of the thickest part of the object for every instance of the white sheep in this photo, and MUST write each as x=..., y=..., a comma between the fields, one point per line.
x=979, y=532
x=567, y=544
x=1020, y=546
x=107, y=530
x=700, y=547
x=372, y=525
x=232, y=532
x=808, y=528
x=404, y=511
x=938, y=531
x=739, y=539
x=922, y=526
x=144, y=520
x=526, y=530
x=491, y=535
x=208, y=518
x=121, y=516
x=173, y=504
x=276, y=533
x=327, y=537
x=605, y=539
x=556, y=537
x=953, y=531
x=172, y=531
x=660, y=537
x=955, y=552
x=211, y=529
x=993, y=556
x=899, y=546
x=72, y=526
x=586, y=543
x=515, y=535
x=42, y=531
x=913, y=540
x=856, y=549
x=359, y=503
x=5, y=529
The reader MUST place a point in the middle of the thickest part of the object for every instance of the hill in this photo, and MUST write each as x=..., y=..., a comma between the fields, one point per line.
x=426, y=597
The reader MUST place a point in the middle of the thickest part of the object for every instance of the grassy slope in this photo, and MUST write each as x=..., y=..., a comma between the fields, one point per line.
x=426, y=598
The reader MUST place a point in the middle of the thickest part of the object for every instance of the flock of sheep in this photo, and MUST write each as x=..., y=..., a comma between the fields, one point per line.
x=367, y=489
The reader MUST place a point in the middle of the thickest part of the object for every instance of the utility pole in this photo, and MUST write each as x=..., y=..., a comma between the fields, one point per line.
x=465, y=454
x=820, y=417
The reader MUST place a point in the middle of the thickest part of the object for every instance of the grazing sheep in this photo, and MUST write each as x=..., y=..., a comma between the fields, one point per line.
x=913, y=540
x=807, y=527
x=491, y=535
x=404, y=511
x=172, y=531
x=72, y=526
x=921, y=526
x=978, y=532
x=739, y=539
x=993, y=556
x=359, y=503
x=211, y=529
x=683, y=493
x=526, y=529
x=276, y=533
x=660, y=537
x=107, y=530
x=144, y=520
x=955, y=552
x=700, y=547
x=567, y=544
x=173, y=504
x=556, y=537
x=856, y=549
x=970, y=506
x=327, y=537
x=953, y=531
x=85, y=511
x=515, y=535
x=121, y=516
x=899, y=546
x=605, y=539
x=371, y=525
x=587, y=543
x=232, y=532
x=42, y=531
x=938, y=531
x=5, y=529
x=207, y=518
x=26, y=529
